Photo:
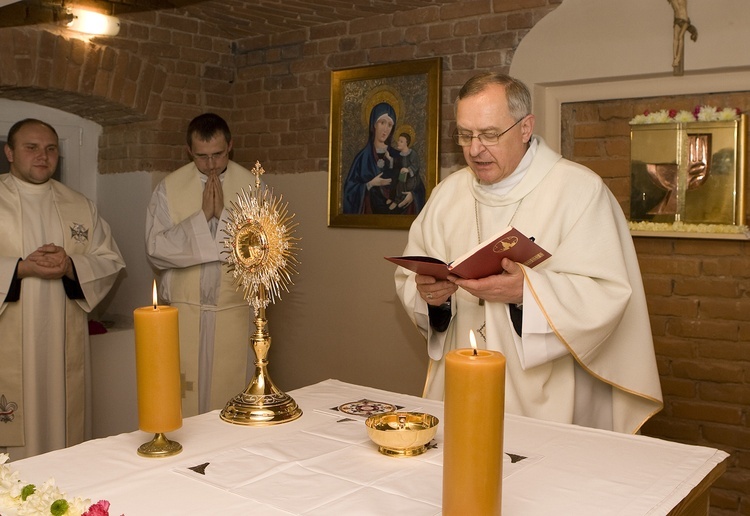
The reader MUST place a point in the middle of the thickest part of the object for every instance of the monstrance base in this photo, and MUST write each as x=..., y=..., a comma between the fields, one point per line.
x=261, y=410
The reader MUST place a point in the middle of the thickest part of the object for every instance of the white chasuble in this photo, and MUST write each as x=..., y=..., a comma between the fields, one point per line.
x=601, y=366
x=45, y=334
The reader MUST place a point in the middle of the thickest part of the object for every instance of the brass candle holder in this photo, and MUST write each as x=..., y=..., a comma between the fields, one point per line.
x=261, y=257
x=159, y=446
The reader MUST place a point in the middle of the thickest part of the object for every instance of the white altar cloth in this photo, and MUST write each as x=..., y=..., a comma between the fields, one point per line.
x=321, y=465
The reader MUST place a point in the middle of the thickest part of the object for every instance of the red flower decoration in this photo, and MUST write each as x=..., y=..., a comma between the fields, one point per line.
x=100, y=508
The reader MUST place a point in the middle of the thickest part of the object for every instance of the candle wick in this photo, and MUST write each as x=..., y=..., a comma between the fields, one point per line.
x=475, y=351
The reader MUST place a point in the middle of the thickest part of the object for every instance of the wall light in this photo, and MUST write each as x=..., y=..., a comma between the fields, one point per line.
x=92, y=23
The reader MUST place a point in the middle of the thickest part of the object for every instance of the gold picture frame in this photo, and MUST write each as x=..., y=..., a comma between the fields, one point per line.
x=688, y=178
x=403, y=101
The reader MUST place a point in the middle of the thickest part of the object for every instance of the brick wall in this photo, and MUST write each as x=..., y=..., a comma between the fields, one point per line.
x=164, y=68
x=698, y=294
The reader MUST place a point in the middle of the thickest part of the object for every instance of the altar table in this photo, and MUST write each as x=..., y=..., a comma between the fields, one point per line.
x=324, y=464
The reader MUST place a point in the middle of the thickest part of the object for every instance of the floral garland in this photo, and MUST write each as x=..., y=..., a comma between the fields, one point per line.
x=689, y=228
x=699, y=114
x=28, y=500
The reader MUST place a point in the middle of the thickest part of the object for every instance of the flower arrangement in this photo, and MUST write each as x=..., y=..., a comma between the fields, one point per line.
x=689, y=228
x=699, y=114
x=30, y=500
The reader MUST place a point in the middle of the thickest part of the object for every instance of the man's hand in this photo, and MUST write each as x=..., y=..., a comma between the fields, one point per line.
x=213, y=197
x=434, y=292
x=48, y=262
x=506, y=287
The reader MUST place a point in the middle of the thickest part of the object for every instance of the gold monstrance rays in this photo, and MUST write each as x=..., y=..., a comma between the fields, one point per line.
x=261, y=245
x=261, y=249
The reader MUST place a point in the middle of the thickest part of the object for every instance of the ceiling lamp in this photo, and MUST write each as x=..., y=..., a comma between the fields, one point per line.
x=90, y=22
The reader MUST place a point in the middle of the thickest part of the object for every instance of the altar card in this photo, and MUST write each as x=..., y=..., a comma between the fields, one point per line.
x=363, y=408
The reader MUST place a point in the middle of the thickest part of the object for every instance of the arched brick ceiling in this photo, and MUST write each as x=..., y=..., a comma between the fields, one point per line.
x=238, y=18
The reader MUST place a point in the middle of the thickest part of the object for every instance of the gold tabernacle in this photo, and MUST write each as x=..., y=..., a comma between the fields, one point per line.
x=689, y=172
x=261, y=257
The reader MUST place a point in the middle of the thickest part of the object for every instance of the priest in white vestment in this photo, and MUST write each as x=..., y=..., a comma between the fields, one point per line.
x=57, y=262
x=185, y=241
x=575, y=329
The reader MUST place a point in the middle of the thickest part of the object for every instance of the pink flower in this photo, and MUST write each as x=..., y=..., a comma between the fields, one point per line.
x=100, y=508
x=672, y=113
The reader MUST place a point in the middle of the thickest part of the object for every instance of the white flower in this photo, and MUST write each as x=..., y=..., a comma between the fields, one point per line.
x=41, y=500
x=707, y=114
x=78, y=506
x=684, y=116
x=639, y=119
x=10, y=484
x=658, y=117
x=728, y=114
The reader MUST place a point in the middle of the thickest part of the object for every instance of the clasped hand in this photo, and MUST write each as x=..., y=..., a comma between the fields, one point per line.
x=213, y=197
x=50, y=261
x=506, y=287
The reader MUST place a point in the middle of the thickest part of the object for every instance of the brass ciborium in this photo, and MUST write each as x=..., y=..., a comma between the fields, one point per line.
x=261, y=256
x=402, y=434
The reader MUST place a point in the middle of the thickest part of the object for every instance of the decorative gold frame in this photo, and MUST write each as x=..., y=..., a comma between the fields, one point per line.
x=707, y=196
x=413, y=90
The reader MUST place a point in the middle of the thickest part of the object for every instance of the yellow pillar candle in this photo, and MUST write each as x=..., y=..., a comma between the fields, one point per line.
x=473, y=432
x=157, y=361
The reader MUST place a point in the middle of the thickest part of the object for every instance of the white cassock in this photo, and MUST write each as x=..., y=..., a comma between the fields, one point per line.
x=214, y=317
x=586, y=353
x=44, y=343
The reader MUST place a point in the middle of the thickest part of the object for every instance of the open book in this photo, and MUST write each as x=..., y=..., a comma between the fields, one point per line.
x=481, y=261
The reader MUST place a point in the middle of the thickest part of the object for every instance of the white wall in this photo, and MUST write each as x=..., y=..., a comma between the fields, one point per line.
x=123, y=199
x=608, y=49
x=341, y=318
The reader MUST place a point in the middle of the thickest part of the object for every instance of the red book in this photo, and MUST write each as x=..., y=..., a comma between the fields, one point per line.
x=481, y=261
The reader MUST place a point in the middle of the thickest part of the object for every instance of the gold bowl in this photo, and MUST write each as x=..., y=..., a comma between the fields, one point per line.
x=402, y=434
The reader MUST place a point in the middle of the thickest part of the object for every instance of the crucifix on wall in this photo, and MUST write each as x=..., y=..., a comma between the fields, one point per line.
x=681, y=26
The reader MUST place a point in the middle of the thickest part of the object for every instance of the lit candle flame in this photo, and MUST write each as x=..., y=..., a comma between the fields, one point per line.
x=473, y=341
x=155, y=297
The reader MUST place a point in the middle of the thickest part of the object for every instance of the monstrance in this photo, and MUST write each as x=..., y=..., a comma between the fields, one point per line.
x=261, y=257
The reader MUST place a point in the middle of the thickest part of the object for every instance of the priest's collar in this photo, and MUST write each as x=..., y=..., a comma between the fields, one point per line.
x=504, y=186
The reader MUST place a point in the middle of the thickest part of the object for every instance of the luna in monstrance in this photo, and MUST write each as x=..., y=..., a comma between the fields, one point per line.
x=261, y=255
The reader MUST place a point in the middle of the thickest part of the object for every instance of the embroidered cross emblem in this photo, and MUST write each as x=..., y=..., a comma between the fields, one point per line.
x=185, y=385
x=7, y=409
x=79, y=233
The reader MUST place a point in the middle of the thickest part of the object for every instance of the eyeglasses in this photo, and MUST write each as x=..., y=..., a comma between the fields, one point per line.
x=486, y=139
x=216, y=156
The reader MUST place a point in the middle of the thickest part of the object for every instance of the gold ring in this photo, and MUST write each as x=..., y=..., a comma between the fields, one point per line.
x=429, y=295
